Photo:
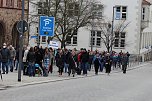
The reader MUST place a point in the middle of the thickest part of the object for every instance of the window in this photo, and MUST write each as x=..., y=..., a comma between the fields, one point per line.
x=40, y=11
x=42, y=8
x=37, y=34
x=11, y=3
x=121, y=13
x=97, y=10
x=45, y=11
x=119, y=39
x=73, y=9
x=1, y=3
x=7, y=2
x=143, y=13
x=116, y=43
x=19, y=3
x=39, y=4
x=72, y=41
x=95, y=38
x=43, y=39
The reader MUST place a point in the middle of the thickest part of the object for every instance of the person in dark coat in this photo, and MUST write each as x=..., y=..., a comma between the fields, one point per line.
x=67, y=54
x=108, y=62
x=97, y=62
x=38, y=57
x=72, y=64
x=91, y=56
x=31, y=62
x=124, y=62
x=84, y=60
x=60, y=61
x=5, y=55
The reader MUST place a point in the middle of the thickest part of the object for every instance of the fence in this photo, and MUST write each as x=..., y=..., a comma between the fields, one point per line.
x=134, y=60
x=147, y=56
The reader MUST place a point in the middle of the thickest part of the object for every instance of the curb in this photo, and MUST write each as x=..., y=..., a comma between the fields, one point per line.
x=63, y=79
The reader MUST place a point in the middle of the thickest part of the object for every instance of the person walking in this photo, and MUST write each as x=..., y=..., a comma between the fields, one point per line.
x=5, y=58
x=84, y=61
x=66, y=60
x=31, y=62
x=114, y=60
x=25, y=65
x=38, y=57
x=12, y=57
x=91, y=56
x=124, y=62
x=72, y=64
x=46, y=62
x=51, y=60
x=97, y=62
x=60, y=61
x=108, y=62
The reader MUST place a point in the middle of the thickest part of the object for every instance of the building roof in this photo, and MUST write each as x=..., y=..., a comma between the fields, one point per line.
x=145, y=2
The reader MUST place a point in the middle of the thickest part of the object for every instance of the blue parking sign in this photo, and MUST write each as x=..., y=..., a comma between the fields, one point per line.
x=46, y=26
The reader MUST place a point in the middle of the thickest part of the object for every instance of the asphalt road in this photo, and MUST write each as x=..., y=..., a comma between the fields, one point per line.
x=136, y=85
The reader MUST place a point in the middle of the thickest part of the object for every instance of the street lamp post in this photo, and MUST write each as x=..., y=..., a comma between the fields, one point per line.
x=112, y=28
x=21, y=44
x=92, y=34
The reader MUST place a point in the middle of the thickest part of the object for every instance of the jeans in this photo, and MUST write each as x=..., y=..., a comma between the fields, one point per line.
x=31, y=69
x=88, y=66
x=66, y=66
x=11, y=62
x=101, y=66
x=84, y=67
x=5, y=66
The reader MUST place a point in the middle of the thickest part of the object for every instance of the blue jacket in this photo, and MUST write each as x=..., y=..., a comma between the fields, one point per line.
x=99, y=60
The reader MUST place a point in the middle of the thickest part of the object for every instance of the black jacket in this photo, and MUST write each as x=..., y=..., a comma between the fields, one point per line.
x=67, y=57
x=31, y=57
x=38, y=56
x=60, y=61
x=85, y=57
x=5, y=55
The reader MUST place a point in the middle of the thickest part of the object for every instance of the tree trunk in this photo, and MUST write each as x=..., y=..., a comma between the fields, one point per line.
x=63, y=44
x=108, y=49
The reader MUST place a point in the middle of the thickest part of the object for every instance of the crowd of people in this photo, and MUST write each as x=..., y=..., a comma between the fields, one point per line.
x=39, y=61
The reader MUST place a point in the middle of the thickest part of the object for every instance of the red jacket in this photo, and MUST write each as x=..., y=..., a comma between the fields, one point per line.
x=79, y=57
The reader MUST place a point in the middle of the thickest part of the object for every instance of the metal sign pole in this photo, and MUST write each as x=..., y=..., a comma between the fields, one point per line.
x=1, y=75
x=21, y=44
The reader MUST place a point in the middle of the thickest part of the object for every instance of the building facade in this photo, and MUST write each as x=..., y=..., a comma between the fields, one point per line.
x=146, y=43
x=130, y=18
x=10, y=14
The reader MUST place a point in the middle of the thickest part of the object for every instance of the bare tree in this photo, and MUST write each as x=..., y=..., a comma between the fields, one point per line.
x=69, y=15
x=108, y=37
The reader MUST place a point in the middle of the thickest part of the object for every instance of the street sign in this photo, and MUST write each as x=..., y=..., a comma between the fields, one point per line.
x=46, y=26
x=54, y=44
x=34, y=37
x=25, y=26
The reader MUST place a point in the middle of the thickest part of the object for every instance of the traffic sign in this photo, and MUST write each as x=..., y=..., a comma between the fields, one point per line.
x=46, y=26
x=25, y=26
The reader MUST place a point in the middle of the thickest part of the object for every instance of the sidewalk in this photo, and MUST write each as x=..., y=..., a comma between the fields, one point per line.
x=10, y=79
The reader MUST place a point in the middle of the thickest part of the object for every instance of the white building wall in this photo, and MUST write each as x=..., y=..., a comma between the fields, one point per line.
x=133, y=18
x=147, y=33
x=133, y=29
